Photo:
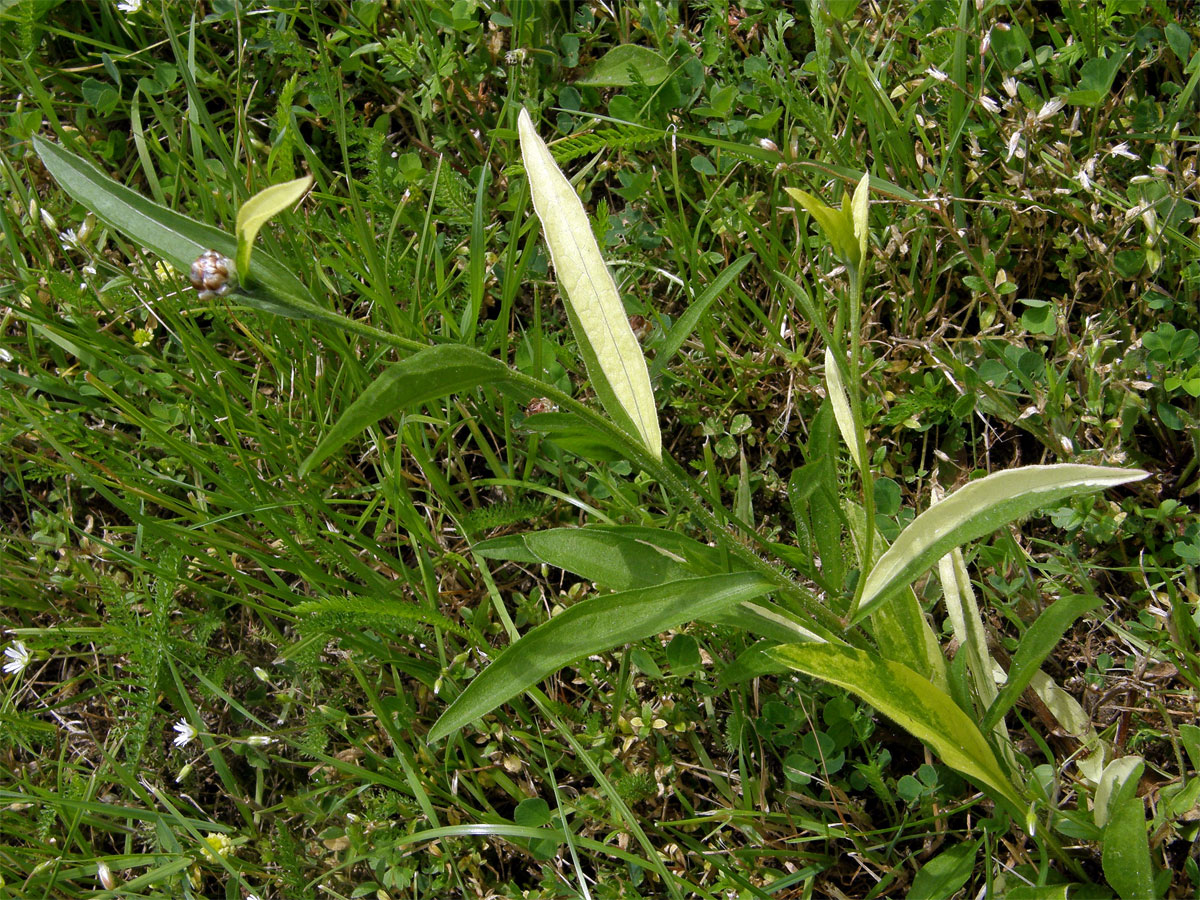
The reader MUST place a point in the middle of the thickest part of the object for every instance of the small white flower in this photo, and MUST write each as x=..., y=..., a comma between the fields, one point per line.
x=1084, y=181
x=937, y=74
x=1010, y=87
x=1050, y=108
x=185, y=733
x=1122, y=149
x=768, y=144
x=989, y=104
x=69, y=238
x=1014, y=144
x=130, y=6
x=18, y=657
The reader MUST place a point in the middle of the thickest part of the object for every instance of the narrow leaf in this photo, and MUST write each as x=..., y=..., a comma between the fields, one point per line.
x=607, y=343
x=593, y=626
x=860, y=206
x=424, y=376
x=838, y=398
x=975, y=510
x=172, y=236
x=619, y=557
x=256, y=211
x=967, y=624
x=912, y=702
x=576, y=435
x=691, y=317
x=1039, y=639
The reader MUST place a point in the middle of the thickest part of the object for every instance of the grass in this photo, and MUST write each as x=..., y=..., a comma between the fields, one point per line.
x=1032, y=298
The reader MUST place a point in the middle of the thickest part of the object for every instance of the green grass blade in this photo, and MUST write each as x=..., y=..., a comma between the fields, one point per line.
x=610, y=349
x=975, y=510
x=432, y=373
x=912, y=702
x=593, y=626
x=691, y=317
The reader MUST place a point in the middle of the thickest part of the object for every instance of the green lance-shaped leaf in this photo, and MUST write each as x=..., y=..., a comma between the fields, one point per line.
x=174, y=237
x=1037, y=642
x=975, y=510
x=593, y=626
x=609, y=347
x=911, y=701
x=256, y=211
x=618, y=557
x=427, y=375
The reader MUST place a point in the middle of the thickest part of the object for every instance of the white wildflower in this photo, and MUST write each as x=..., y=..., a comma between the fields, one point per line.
x=989, y=104
x=69, y=239
x=130, y=6
x=937, y=74
x=1014, y=143
x=768, y=144
x=1010, y=87
x=18, y=656
x=1050, y=108
x=1122, y=149
x=185, y=733
x=1086, y=173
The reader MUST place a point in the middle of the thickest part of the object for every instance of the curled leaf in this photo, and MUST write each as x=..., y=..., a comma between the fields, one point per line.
x=256, y=212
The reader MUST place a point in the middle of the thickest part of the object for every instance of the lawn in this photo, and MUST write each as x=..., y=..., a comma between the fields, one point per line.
x=503, y=448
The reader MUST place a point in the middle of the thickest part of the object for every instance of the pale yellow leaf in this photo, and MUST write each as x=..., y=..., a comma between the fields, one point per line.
x=610, y=349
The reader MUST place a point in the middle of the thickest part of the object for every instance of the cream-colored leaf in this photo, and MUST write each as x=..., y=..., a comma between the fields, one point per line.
x=840, y=401
x=610, y=349
x=975, y=510
x=256, y=212
x=859, y=206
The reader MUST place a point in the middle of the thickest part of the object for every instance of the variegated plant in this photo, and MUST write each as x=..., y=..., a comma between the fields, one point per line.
x=876, y=643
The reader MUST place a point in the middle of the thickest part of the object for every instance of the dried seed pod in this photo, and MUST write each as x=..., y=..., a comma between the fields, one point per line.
x=212, y=274
x=540, y=405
